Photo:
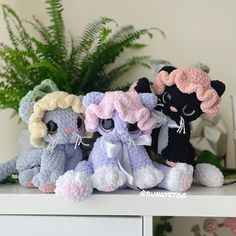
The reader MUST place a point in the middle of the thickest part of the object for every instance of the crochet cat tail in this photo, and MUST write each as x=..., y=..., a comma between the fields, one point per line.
x=208, y=175
x=7, y=168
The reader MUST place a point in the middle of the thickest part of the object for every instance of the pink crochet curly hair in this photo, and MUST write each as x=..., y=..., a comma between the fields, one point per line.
x=128, y=105
x=190, y=80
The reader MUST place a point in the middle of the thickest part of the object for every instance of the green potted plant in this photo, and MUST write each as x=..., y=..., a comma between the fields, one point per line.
x=76, y=67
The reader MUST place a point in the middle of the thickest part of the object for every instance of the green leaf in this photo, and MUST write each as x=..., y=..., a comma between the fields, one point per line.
x=76, y=66
x=209, y=158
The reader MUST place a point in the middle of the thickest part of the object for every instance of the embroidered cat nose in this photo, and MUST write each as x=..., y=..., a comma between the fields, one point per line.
x=68, y=130
x=174, y=109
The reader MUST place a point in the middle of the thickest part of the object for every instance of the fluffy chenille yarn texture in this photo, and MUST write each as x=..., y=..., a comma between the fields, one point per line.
x=128, y=106
x=50, y=102
x=183, y=95
x=57, y=124
x=118, y=158
x=190, y=80
x=27, y=163
x=56, y=129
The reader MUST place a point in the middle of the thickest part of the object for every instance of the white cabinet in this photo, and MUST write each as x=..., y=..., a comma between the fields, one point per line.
x=27, y=212
x=70, y=226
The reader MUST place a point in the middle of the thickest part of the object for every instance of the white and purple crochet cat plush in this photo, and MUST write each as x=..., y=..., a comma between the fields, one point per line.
x=118, y=158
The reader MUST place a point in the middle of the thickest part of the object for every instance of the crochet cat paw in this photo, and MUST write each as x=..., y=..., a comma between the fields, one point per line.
x=108, y=178
x=208, y=175
x=179, y=178
x=148, y=177
x=74, y=186
x=42, y=179
x=30, y=185
x=47, y=188
x=26, y=177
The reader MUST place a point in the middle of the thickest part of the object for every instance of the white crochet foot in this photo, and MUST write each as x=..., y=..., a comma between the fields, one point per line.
x=179, y=178
x=108, y=178
x=208, y=175
x=74, y=186
x=148, y=177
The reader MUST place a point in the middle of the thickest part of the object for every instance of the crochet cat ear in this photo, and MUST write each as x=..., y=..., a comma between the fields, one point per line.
x=141, y=86
x=26, y=110
x=218, y=86
x=27, y=102
x=168, y=69
x=92, y=98
x=149, y=100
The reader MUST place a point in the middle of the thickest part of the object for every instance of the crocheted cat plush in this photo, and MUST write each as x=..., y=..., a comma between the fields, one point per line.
x=118, y=157
x=56, y=128
x=183, y=95
x=27, y=163
x=57, y=125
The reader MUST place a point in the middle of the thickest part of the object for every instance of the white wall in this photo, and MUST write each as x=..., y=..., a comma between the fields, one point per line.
x=202, y=30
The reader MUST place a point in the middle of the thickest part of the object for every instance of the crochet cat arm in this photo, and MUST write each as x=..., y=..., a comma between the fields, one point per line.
x=52, y=166
x=73, y=156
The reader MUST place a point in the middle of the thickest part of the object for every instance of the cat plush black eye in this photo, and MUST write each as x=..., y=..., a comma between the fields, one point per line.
x=107, y=124
x=52, y=127
x=79, y=122
x=132, y=127
x=166, y=97
x=188, y=111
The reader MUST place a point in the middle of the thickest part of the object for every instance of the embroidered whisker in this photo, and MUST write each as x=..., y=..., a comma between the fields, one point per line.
x=53, y=143
x=79, y=141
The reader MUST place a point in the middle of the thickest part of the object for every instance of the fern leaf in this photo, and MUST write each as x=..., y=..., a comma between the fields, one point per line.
x=90, y=34
x=105, y=56
x=41, y=29
x=11, y=18
x=127, y=66
x=122, y=31
x=57, y=28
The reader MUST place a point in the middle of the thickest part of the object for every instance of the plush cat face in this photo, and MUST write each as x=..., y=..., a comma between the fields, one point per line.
x=56, y=118
x=185, y=91
x=116, y=129
x=63, y=125
x=119, y=116
x=175, y=104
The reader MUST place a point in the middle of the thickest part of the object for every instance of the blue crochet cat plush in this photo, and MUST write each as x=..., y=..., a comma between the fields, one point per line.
x=118, y=157
x=56, y=128
x=27, y=163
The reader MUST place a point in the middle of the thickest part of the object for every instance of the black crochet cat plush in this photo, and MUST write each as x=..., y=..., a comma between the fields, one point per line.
x=184, y=94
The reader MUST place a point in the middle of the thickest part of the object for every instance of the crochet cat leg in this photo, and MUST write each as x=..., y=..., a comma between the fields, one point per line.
x=107, y=176
x=7, y=168
x=76, y=185
x=178, y=178
x=28, y=166
x=208, y=175
x=25, y=161
x=146, y=175
x=52, y=166
x=26, y=176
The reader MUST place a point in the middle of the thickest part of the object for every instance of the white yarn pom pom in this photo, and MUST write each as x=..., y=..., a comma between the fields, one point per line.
x=74, y=186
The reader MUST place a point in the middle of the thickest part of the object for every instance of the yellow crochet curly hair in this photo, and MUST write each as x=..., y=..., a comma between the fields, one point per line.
x=49, y=102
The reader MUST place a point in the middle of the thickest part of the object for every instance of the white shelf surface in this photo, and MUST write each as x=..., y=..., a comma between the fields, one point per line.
x=199, y=201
